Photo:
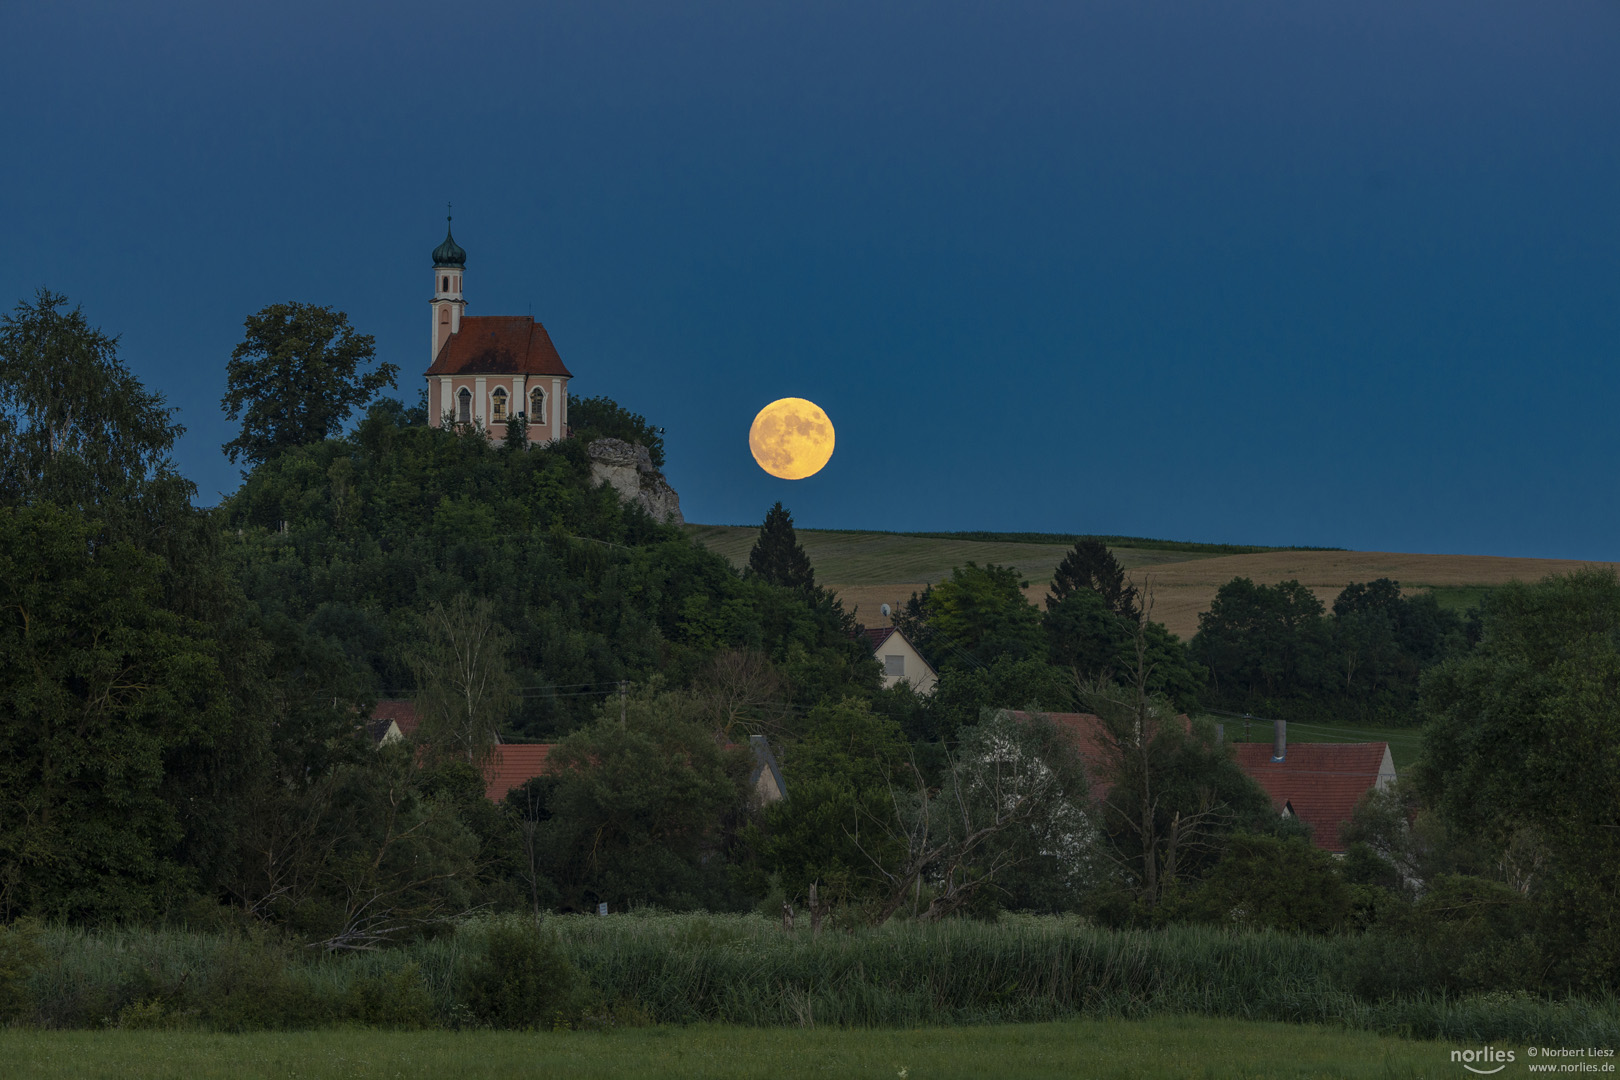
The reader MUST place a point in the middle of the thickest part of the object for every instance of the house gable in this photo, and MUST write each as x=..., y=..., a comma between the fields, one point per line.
x=900, y=659
x=1319, y=782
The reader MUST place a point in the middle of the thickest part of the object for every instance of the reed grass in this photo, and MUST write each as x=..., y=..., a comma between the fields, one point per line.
x=745, y=970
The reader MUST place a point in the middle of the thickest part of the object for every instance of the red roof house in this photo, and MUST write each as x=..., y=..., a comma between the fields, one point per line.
x=511, y=765
x=1319, y=783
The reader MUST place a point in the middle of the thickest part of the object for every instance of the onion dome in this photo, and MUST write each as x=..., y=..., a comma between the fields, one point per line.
x=449, y=253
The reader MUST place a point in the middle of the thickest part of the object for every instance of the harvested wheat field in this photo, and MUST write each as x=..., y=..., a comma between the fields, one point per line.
x=1182, y=590
x=868, y=570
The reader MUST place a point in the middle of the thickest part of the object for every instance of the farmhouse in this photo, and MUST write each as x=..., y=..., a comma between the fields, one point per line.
x=900, y=659
x=488, y=370
x=1318, y=783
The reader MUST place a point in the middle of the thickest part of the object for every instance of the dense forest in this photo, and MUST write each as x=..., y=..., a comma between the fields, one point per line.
x=184, y=696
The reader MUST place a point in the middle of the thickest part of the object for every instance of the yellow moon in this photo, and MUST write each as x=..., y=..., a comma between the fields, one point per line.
x=791, y=438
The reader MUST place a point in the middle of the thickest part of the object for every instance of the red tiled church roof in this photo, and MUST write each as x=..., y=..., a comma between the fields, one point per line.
x=1321, y=782
x=511, y=765
x=499, y=345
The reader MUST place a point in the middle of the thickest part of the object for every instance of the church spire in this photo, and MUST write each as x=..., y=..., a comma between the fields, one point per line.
x=449, y=253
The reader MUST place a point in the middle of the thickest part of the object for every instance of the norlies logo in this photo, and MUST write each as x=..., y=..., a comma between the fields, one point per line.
x=1489, y=1055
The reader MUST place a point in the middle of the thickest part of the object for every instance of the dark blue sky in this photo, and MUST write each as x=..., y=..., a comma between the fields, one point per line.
x=1322, y=273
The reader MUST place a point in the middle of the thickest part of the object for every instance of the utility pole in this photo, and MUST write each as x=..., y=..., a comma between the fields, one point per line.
x=624, y=686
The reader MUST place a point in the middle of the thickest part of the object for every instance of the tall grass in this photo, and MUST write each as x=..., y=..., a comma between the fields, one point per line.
x=682, y=969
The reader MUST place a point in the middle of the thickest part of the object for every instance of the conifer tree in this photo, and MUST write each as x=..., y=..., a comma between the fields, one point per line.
x=778, y=557
x=1090, y=565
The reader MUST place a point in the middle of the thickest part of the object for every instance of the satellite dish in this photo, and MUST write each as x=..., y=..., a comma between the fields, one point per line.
x=885, y=609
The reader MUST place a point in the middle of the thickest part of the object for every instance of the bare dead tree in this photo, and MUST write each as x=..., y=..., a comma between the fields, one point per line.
x=1132, y=720
x=464, y=686
x=740, y=690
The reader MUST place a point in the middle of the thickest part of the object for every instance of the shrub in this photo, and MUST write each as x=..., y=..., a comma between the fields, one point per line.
x=397, y=999
x=522, y=980
x=1266, y=882
x=20, y=954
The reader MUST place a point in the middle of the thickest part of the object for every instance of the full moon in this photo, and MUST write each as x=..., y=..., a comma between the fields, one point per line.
x=791, y=438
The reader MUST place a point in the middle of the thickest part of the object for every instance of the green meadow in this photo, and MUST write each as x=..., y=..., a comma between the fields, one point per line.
x=1177, y=1047
x=1405, y=744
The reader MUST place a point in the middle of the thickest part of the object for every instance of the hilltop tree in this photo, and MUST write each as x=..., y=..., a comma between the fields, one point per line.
x=1090, y=565
x=296, y=377
x=778, y=557
x=603, y=418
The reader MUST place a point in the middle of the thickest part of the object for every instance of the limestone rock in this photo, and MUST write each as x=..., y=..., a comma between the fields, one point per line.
x=628, y=469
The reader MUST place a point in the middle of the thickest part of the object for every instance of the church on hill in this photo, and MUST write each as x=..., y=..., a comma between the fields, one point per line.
x=487, y=369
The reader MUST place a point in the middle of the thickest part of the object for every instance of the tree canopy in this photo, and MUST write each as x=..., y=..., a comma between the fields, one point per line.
x=296, y=377
x=777, y=556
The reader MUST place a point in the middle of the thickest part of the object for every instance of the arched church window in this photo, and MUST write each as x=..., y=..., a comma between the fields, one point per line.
x=465, y=412
x=444, y=315
x=498, y=405
x=537, y=407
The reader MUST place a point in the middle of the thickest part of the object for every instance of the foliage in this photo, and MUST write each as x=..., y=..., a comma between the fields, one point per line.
x=1464, y=935
x=464, y=688
x=1172, y=791
x=603, y=418
x=78, y=430
x=1267, y=882
x=838, y=779
x=1091, y=567
x=516, y=439
x=353, y=540
x=521, y=980
x=296, y=377
x=101, y=689
x=778, y=557
x=360, y=856
x=1274, y=648
x=1522, y=747
x=980, y=614
x=20, y=957
x=634, y=814
x=964, y=693
x=1097, y=644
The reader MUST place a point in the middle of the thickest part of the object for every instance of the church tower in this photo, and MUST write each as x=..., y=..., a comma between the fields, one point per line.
x=449, y=263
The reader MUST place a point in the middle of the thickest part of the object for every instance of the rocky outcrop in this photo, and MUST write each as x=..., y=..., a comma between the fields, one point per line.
x=627, y=469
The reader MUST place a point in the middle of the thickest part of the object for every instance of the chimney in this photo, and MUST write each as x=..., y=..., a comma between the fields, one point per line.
x=1279, y=751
